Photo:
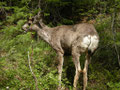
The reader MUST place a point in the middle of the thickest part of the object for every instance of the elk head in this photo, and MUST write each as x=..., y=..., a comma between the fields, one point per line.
x=31, y=25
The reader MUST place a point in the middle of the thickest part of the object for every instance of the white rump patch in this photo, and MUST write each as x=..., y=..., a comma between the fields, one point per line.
x=90, y=42
x=94, y=43
x=86, y=41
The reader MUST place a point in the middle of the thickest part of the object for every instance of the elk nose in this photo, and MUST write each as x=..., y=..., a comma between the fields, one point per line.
x=25, y=30
x=24, y=27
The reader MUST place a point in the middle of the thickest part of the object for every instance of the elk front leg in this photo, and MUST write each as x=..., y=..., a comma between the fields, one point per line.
x=60, y=65
x=85, y=71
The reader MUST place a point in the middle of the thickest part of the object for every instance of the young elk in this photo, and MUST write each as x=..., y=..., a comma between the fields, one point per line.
x=73, y=39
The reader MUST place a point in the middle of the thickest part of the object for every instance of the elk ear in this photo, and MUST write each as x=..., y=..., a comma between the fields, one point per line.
x=32, y=19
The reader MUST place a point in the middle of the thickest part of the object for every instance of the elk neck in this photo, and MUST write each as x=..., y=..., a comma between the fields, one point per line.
x=45, y=34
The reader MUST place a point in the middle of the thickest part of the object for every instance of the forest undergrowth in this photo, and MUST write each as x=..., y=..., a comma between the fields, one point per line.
x=15, y=73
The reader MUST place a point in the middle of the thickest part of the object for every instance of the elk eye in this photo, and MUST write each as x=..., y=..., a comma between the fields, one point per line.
x=29, y=24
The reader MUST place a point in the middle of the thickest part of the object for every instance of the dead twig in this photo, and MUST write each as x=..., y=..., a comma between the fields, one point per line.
x=36, y=81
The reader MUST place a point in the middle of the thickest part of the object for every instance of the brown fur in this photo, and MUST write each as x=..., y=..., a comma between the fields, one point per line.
x=67, y=39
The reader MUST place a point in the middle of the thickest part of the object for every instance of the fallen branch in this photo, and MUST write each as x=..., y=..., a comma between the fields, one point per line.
x=36, y=81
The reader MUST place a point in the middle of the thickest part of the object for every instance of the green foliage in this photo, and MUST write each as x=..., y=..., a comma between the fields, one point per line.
x=2, y=4
x=15, y=74
x=14, y=45
x=53, y=1
x=114, y=86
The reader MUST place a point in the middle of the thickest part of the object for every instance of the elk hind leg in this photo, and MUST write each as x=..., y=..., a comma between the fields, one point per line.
x=75, y=58
x=85, y=71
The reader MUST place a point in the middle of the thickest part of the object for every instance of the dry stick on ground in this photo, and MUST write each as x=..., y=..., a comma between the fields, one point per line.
x=114, y=35
x=36, y=81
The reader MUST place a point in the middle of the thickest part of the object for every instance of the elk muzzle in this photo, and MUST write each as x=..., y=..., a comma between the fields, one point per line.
x=25, y=28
